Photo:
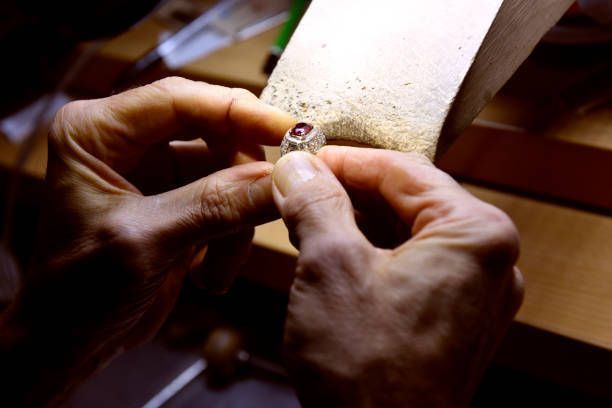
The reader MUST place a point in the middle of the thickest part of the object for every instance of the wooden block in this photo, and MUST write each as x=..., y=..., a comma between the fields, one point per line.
x=398, y=74
x=544, y=167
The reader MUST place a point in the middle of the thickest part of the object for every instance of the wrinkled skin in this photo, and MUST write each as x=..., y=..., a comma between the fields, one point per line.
x=135, y=200
x=400, y=295
x=411, y=325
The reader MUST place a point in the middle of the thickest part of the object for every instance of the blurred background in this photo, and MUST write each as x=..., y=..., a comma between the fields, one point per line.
x=541, y=150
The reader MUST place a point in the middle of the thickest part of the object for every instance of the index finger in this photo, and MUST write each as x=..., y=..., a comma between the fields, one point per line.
x=424, y=197
x=120, y=126
x=409, y=182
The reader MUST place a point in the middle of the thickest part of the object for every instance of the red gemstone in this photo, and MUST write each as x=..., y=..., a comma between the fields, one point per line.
x=301, y=129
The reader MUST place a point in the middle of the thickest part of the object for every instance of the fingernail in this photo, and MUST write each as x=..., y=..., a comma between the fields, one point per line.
x=292, y=171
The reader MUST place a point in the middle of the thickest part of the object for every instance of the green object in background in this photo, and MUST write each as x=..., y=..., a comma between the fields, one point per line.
x=298, y=7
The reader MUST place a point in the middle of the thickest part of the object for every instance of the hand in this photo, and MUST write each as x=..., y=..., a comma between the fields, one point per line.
x=412, y=322
x=124, y=225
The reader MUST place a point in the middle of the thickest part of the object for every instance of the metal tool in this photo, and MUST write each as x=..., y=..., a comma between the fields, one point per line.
x=219, y=26
x=223, y=359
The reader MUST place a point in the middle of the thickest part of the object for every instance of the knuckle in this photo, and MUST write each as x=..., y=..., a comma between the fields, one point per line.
x=64, y=120
x=169, y=83
x=414, y=157
x=314, y=204
x=499, y=239
x=216, y=205
x=517, y=293
x=334, y=252
x=235, y=96
x=241, y=93
x=122, y=233
x=165, y=88
x=132, y=242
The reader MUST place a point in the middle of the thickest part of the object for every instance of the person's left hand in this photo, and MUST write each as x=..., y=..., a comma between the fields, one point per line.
x=124, y=227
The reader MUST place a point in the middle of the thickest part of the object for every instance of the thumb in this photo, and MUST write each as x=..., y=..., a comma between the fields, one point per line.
x=314, y=205
x=222, y=203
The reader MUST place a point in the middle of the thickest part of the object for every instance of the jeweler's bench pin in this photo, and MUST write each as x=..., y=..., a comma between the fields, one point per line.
x=303, y=136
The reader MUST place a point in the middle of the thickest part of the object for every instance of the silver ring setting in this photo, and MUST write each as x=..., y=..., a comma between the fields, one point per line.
x=303, y=137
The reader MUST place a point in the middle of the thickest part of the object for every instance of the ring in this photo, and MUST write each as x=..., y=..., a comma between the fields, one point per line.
x=304, y=137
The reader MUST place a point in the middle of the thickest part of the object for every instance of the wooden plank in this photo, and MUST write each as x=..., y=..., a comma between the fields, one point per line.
x=567, y=263
x=529, y=163
x=593, y=128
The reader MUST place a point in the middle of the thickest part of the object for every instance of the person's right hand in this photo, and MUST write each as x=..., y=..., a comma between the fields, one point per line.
x=413, y=325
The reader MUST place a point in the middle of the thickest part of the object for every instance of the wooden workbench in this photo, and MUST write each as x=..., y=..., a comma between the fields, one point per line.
x=554, y=184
